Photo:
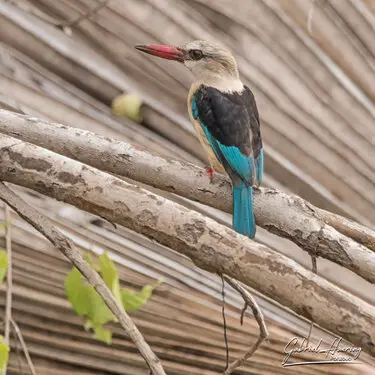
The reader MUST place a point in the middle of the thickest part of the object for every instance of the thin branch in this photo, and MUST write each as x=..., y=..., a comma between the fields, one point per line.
x=314, y=256
x=18, y=352
x=211, y=246
x=66, y=246
x=9, y=278
x=315, y=271
x=224, y=323
x=263, y=332
x=309, y=334
x=23, y=346
x=286, y=215
x=314, y=266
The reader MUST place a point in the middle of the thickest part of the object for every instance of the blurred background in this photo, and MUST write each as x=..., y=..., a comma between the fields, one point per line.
x=311, y=66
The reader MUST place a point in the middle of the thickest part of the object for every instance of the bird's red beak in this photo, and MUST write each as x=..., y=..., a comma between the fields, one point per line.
x=165, y=52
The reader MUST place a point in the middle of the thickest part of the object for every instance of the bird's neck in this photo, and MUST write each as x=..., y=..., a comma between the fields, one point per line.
x=224, y=83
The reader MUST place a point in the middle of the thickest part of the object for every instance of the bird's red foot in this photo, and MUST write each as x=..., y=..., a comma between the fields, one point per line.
x=210, y=173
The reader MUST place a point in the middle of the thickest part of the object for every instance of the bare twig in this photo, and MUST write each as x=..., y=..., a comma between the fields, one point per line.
x=310, y=332
x=18, y=352
x=8, y=309
x=263, y=332
x=23, y=346
x=66, y=246
x=315, y=271
x=314, y=264
x=224, y=323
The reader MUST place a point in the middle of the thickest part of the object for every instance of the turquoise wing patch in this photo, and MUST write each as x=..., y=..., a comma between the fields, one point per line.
x=230, y=155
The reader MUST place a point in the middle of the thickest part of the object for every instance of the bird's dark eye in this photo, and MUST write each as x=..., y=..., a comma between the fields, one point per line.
x=196, y=54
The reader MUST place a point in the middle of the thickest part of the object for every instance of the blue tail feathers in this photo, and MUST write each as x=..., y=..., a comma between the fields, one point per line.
x=243, y=216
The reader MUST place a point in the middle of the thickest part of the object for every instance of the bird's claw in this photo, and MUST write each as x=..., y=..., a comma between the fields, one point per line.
x=210, y=173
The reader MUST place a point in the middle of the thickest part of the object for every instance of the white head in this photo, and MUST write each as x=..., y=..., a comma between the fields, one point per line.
x=209, y=62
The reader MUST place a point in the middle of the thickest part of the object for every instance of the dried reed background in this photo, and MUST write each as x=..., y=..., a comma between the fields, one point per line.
x=311, y=66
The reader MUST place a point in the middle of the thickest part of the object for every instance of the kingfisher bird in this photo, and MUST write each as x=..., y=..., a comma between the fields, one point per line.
x=225, y=116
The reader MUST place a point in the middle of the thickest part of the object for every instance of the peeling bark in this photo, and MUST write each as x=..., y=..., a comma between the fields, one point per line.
x=289, y=216
x=210, y=245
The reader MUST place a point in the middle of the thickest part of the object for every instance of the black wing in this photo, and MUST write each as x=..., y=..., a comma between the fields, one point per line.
x=232, y=119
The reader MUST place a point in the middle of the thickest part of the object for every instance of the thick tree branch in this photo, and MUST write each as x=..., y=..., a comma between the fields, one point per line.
x=62, y=243
x=349, y=228
x=313, y=229
x=210, y=245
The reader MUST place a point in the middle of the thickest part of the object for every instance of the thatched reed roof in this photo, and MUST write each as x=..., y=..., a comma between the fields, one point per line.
x=312, y=72
x=182, y=321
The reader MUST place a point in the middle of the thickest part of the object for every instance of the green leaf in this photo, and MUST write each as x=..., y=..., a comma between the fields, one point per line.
x=4, y=354
x=98, y=312
x=77, y=293
x=3, y=265
x=88, y=325
x=128, y=105
x=85, y=300
x=133, y=301
x=103, y=334
x=88, y=303
x=110, y=276
x=147, y=290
